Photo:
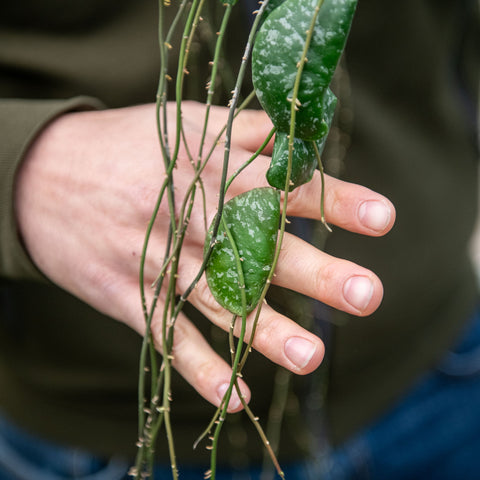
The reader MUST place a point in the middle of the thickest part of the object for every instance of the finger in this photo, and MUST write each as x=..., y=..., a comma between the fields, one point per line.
x=192, y=356
x=201, y=367
x=347, y=205
x=250, y=127
x=277, y=337
x=336, y=282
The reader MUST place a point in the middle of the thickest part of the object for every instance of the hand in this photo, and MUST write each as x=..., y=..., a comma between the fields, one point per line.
x=85, y=194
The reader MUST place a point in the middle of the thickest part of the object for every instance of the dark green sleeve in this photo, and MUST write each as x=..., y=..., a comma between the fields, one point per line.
x=21, y=121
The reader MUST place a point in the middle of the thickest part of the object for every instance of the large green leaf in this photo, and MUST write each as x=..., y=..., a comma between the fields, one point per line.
x=252, y=219
x=278, y=49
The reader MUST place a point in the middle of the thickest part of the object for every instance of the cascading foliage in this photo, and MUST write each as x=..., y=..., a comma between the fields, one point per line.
x=277, y=52
x=276, y=55
x=296, y=47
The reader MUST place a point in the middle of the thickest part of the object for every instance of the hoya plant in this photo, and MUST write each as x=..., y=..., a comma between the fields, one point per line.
x=292, y=52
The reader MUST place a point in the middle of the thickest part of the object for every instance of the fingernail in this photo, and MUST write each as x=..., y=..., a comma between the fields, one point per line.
x=374, y=215
x=299, y=351
x=358, y=292
x=234, y=402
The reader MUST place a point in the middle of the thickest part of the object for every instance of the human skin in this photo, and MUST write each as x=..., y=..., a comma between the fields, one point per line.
x=85, y=193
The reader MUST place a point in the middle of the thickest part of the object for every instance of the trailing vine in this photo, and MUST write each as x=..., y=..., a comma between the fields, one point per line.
x=293, y=48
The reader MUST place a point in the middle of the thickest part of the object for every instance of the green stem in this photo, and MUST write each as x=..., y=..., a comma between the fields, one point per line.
x=227, y=129
x=168, y=183
x=167, y=383
x=261, y=433
x=236, y=361
x=147, y=337
x=165, y=45
x=211, y=84
x=277, y=410
x=322, y=196
x=190, y=25
x=283, y=219
x=251, y=159
x=197, y=179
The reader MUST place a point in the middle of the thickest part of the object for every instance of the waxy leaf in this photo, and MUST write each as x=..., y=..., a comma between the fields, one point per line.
x=304, y=156
x=304, y=162
x=252, y=219
x=276, y=54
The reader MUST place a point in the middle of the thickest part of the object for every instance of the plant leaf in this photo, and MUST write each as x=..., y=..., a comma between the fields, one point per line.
x=252, y=219
x=278, y=49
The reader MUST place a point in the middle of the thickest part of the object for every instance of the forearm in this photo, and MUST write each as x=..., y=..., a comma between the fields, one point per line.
x=22, y=121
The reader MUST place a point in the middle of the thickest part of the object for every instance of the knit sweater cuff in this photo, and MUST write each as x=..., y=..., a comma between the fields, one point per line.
x=22, y=121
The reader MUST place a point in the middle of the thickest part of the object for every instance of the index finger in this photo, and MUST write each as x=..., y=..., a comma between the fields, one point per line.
x=347, y=205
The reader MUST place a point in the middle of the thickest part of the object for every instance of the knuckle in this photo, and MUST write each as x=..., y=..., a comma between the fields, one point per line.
x=180, y=337
x=203, y=374
x=334, y=204
x=143, y=198
x=156, y=329
x=265, y=332
x=203, y=295
x=323, y=283
x=295, y=199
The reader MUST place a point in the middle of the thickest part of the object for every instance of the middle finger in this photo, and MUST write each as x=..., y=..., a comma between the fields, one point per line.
x=277, y=337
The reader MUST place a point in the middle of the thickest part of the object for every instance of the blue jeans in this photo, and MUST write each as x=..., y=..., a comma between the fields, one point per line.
x=432, y=433
x=25, y=457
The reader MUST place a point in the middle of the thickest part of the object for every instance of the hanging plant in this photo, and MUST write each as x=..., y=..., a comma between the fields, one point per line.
x=296, y=47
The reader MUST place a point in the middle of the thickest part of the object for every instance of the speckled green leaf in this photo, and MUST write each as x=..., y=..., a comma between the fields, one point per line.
x=252, y=219
x=304, y=157
x=277, y=51
x=272, y=5
x=329, y=105
x=304, y=162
